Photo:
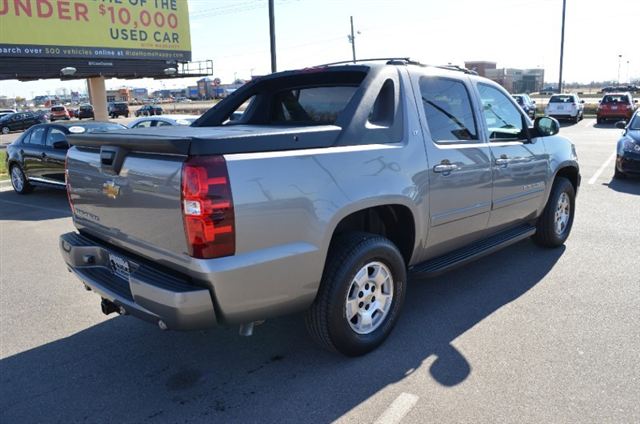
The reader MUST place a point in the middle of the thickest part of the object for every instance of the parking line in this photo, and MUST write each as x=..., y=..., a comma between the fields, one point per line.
x=602, y=168
x=398, y=409
x=44, y=208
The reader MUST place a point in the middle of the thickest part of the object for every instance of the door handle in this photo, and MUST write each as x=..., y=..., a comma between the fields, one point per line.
x=502, y=161
x=445, y=168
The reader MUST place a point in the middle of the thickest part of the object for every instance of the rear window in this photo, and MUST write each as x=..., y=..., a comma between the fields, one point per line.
x=561, y=99
x=622, y=98
x=102, y=127
x=312, y=105
x=57, y=109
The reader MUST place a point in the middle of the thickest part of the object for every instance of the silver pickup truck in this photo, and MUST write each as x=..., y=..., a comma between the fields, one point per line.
x=334, y=184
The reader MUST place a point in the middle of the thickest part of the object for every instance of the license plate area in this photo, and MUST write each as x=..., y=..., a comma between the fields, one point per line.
x=119, y=266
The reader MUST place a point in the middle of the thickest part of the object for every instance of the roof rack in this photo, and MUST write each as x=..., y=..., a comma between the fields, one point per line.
x=402, y=61
x=457, y=68
x=389, y=60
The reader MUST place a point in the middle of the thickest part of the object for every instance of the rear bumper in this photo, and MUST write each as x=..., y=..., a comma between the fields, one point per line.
x=614, y=115
x=148, y=294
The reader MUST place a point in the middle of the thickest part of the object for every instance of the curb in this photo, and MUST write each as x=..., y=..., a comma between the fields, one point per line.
x=5, y=183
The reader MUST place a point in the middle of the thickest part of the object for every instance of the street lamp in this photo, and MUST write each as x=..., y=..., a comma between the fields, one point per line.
x=619, y=62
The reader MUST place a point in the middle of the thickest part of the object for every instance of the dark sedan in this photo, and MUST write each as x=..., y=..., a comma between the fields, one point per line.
x=149, y=110
x=37, y=156
x=85, y=111
x=628, y=151
x=527, y=105
x=19, y=121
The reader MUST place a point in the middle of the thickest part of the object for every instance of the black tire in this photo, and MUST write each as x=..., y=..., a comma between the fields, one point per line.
x=5, y=130
x=26, y=186
x=326, y=320
x=546, y=234
x=599, y=121
x=577, y=118
x=617, y=174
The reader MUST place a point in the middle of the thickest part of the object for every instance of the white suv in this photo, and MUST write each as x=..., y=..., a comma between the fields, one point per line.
x=565, y=106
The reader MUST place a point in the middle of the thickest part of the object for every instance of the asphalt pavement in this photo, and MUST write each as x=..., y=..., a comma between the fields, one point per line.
x=526, y=335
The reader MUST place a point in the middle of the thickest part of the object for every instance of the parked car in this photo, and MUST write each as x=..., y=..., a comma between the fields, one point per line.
x=332, y=186
x=164, y=120
x=85, y=112
x=116, y=109
x=616, y=106
x=528, y=105
x=37, y=157
x=19, y=121
x=73, y=112
x=149, y=110
x=628, y=149
x=59, y=112
x=565, y=106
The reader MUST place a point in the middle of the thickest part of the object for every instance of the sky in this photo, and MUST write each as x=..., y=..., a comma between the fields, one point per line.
x=234, y=34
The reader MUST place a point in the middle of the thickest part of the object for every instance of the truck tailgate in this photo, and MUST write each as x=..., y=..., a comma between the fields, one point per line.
x=139, y=205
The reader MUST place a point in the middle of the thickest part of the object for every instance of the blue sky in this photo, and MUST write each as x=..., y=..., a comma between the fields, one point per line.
x=514, y=33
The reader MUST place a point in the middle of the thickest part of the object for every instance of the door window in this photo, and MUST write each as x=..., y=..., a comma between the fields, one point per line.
x=447, y=107
x=143, y=124
x=503, y=119
x=55, y=135
x=162, y=124
x=36, y=137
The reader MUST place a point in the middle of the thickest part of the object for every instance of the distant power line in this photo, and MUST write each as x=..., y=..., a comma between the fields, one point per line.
x=235, y=8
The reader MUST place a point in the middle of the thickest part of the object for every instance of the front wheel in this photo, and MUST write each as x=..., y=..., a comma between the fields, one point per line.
x=5, y=130
x=554, y=225
x=19, y=181
x=360, y=296
x=618, y=174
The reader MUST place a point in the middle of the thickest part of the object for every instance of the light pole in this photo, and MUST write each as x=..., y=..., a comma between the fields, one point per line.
x=628, y=77
x=619, y=62
x=352, y=40
x=272, y=36
x=564, y=9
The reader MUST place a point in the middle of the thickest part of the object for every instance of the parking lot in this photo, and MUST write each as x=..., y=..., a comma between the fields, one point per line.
x=524, y=335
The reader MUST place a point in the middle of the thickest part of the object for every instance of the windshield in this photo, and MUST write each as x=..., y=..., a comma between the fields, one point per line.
x=635, y=124
x=561, y=99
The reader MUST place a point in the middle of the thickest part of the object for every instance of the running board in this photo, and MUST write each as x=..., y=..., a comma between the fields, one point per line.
x=472, y=252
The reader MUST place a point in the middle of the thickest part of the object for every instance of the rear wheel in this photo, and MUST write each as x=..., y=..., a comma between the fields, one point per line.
x=19, y=181
x=361, y=294
x=554, y=225
x=5, y=130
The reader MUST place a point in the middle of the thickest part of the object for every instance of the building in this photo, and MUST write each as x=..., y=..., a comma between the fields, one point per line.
x=120, y=95
x=140, y=94
x=513, y=80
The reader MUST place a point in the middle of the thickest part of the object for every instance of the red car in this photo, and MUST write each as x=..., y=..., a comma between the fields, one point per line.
x=618, y=106
x=59, y=112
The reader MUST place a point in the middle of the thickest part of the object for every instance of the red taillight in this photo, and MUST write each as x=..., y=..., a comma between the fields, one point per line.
x=207, y=207
x=67, y=183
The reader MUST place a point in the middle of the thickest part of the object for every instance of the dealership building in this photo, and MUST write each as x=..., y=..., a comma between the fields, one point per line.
x=512, y=79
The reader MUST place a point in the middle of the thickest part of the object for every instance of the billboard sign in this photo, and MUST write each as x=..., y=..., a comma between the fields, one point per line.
x=117, y=29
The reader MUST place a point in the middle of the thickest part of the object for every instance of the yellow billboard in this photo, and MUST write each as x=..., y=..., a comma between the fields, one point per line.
x=114, y=29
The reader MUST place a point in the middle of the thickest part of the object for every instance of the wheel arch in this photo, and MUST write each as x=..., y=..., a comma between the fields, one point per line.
x=394, y=220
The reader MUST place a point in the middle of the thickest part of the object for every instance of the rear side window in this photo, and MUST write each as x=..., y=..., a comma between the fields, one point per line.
x=447, y=107
x=36, y=137
x=312, y=105
x=143, y=124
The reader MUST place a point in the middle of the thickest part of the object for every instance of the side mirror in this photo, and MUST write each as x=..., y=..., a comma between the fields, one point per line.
x=635, y=101
x=621, y=125
x=545, y=126
x=61, y=145
x=533, y=101
x=582, y=101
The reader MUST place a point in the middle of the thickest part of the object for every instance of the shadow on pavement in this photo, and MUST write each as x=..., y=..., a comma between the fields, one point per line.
x=123, y=370
x=41, y=204
x=629, y=185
